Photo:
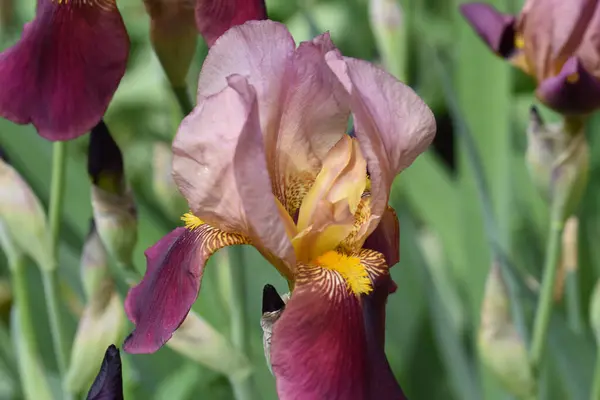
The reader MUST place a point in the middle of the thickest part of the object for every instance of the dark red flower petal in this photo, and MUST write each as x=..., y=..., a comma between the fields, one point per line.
x=64, y=70
x=162, y=300
x=385, y=239
x=321, y=347
x=215, y=17
x=108, y=384
x=572, y=91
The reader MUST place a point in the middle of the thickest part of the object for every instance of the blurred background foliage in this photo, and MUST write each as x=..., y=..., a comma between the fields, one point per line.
x=465, y=204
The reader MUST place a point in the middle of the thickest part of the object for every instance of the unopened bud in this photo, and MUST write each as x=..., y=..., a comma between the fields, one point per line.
x=272, y=307
x=112, y=200
x=94, y=263
x=163, y=184
x=103, y=322
x=24, y=224
x=108, y=384
x=500, y=346
x=568, y=264
x=198, y=341
x=595, y=311
x=390, y=35
x=173, y=35
x=558, y=161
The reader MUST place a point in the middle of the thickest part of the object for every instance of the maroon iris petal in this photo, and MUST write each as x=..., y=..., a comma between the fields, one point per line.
x=162, y=300
x=215, y=17
x=321, y=350
x=386, y=237
x=64, y=70
x=495, y=28
x=108, y=384
x=374, y=319
x=572, y=91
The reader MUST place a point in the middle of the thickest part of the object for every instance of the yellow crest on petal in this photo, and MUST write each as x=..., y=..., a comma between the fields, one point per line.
x=191, y=221
x=350, y=268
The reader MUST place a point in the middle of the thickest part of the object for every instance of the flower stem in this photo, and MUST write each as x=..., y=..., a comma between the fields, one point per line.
x=50, y=276
x=183, y=99
x=544, y=306
x=33, y=380
x=595, y=393
x=242, y=388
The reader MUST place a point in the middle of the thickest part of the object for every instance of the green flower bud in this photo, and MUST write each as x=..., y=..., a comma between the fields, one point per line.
x=390, y=35
x=94, y=263
x=103, y=322
x=500, y=346
x=24, y=225
x=198, y=341
x=112, y=200
x=558, y=160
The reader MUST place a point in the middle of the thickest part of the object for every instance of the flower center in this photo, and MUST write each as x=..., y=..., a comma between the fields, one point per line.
x=350, y=268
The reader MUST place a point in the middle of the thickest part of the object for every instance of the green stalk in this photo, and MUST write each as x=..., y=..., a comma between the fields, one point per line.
x=33, y=380
x=242, y=388
x=183, y=99
x=544, y=306
x=595, y=393
x=572, y=300
x=50, y=275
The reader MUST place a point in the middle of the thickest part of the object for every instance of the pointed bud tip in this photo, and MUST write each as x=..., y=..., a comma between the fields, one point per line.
x=105, y=161
x=271, y=300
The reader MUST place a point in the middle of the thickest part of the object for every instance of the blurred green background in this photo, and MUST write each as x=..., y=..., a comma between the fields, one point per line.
x=459, y=210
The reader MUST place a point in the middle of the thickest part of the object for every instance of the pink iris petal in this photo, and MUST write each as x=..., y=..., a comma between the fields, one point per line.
x=322, y=348
x=220, y=167
x=214, y=17
x=392, y=124
x=64, y=70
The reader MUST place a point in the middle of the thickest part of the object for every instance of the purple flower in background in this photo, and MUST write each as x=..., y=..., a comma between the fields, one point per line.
x=63, y=72
x=555, y=41
x=264, y=159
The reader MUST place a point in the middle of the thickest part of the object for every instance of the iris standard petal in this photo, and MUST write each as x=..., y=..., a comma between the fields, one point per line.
x=314, y=117
x=497, y=30
x=162, y=300
x=108, y=384
x=64, y=70
x=219, y=166
x=572, y=91
x=319, y=346
x=215, y=17
x=392, y=124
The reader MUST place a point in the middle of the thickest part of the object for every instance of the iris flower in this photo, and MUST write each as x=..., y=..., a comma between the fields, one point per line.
x=264, y=159
x=62, y=73
x=555, y=41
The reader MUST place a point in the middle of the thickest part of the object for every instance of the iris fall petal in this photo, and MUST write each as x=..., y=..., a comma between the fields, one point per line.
x=572, y=91
x=162, y=300
x=320, y=347
x=64, y=70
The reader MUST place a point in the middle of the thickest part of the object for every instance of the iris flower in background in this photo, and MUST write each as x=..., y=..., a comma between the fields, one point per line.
x=555, y=41
x=264, y=159
x=63, y=72
x=108, y=384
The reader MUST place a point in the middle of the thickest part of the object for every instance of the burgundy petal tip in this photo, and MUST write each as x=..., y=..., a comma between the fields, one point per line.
x=493, y=27
x=142, y=344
